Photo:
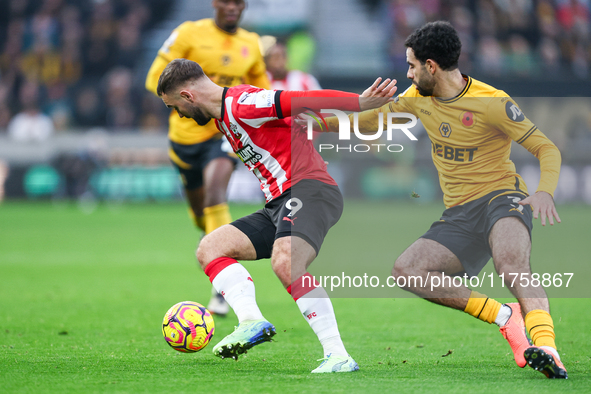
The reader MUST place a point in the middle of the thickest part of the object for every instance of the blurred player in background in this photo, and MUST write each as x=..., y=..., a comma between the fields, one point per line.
x=282, y=78
x=229, y=56
x=291, y=228
x=471, y=126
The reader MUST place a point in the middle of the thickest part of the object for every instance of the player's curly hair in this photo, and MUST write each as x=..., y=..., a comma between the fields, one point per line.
x=176, y=73
x=437, y=41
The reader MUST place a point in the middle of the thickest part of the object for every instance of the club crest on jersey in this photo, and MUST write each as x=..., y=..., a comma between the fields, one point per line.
x=234, y=129
x=248, y=155
x=445, y=129
x=467, y=119
x=225, y=60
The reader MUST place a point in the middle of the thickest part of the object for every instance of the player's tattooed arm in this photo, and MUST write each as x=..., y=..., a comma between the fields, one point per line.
x=542, y=204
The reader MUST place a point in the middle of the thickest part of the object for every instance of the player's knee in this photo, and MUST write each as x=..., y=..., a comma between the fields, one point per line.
x=281, y=262
x=282, y=268
x=402, y=267
x=214, y=197
x=281, y=250
x=202, y=257
x=509, y=261
x=405, y=269
x=205, y=253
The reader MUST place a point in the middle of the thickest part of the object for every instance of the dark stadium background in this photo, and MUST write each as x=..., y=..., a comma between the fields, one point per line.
x=83, y=64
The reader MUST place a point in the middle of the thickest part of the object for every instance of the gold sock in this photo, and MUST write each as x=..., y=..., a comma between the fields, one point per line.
x=216, y=216
x=482, y=307
x=198, y=220
x=540, y=328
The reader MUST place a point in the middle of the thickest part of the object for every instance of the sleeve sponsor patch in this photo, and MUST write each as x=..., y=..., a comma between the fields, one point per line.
x=246, y=98
x=513, y=112
x=265, y=98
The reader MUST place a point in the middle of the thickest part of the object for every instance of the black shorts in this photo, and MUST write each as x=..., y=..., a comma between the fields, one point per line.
x=464, y=229
x=307, y=210
x=191, y=160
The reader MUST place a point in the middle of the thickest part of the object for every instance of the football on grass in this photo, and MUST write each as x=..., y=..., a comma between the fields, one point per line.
x=188, y=327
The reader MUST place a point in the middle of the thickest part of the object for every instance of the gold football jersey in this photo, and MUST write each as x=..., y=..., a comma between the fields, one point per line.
x=227, y=59
x=471, y=140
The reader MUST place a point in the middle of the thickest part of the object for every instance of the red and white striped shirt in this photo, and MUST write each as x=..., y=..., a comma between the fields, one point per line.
x=258, y=125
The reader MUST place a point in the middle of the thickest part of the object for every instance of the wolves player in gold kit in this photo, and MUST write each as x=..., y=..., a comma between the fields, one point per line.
x=230, y=56
x=489, y=211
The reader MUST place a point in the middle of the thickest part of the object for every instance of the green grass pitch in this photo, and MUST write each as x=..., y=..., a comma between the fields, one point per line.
x=82, y=296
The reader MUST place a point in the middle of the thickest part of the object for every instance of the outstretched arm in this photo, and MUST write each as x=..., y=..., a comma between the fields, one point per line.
x=373, y=97
x=294, y=102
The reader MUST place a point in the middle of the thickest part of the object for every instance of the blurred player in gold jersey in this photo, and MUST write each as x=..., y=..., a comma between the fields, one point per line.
x=488, y=213
x=229, y=56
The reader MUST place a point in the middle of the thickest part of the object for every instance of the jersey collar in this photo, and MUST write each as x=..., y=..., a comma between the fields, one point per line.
x=224, y=103
x=462, y=93
x=222, y=30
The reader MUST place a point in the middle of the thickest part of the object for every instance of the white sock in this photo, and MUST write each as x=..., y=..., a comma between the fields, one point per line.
x=503, y=316
x=236, y=285
x=317, y=310
x=551, y=350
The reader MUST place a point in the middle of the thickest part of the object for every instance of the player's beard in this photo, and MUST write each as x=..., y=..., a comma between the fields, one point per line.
x=198, y=116
x=425, y=88
x=426, y=84
x=230, y=26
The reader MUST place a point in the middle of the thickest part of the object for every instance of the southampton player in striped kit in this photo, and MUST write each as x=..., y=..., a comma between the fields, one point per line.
x=291, y=227
x=230, y=56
